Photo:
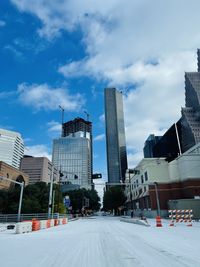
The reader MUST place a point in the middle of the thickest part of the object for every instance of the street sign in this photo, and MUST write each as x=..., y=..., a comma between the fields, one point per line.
x=67, y=201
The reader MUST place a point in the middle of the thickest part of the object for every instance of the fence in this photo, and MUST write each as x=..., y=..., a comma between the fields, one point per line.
x=7, y=218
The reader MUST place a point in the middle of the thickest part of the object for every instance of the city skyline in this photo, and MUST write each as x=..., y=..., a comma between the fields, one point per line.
x=51, y=60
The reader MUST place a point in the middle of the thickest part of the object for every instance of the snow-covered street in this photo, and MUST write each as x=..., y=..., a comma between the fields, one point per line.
x=103, y=242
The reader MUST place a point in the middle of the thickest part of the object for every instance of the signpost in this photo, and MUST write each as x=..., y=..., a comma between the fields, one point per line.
x=67, y=201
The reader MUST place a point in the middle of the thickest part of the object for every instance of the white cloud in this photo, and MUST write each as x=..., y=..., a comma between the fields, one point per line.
x=44, y=97
x=142, y=45
x=38, y=151
x=2, y=23
x=99, y=137
x=54, y=126
x=102, y=118
x=134, y=158
x=156, y=103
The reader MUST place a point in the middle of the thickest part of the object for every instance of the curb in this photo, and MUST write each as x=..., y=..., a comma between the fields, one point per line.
x=135, y=221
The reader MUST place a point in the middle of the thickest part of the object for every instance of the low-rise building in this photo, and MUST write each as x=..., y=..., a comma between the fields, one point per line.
x=39, y=169
x=178, y=179
x=12, y=173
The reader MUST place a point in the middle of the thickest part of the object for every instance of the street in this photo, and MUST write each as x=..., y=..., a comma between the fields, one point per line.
x=102, y=242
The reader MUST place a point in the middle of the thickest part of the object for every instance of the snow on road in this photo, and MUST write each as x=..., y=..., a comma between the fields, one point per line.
x=103, y=242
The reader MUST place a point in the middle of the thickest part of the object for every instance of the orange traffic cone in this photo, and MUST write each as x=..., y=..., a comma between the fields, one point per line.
x=158, y=221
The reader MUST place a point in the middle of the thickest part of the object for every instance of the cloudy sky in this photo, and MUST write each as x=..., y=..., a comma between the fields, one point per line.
x=65, y=52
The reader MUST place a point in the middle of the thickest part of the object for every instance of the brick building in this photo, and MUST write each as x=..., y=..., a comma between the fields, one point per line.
x=13, y=174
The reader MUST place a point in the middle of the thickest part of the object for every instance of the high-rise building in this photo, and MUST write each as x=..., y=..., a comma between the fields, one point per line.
x=149, y=145
x=115, y=136
x=11, y=148
x=184, y=134
x=80, y=128
x=190, y=132
x=39, y=169
x=72, y=153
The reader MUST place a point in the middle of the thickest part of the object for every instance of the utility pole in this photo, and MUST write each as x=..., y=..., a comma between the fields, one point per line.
x=62, y=118
x=50, y=193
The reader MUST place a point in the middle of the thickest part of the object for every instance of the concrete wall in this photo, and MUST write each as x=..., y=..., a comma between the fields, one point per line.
x=148, y=213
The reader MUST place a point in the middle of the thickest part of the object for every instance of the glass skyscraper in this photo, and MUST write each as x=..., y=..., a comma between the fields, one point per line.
x=11, y=148
x=186, y=132
x=72, y=153
x=115, y=136
x=191, y=112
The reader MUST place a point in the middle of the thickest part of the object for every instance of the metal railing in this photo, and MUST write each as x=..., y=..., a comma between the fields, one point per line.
x=7, y=218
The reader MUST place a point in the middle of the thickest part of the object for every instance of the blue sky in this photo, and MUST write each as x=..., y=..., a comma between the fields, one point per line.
x=29, y=61
x=66, y=52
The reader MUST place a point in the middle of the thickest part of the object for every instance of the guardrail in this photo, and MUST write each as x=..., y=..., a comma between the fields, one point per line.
x=7, y=218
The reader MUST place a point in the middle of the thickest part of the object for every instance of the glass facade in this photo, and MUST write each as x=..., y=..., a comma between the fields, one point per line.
x=11, y=148
x=187, y=133
x=72, y=155
x=115, y=136
x=190, y=114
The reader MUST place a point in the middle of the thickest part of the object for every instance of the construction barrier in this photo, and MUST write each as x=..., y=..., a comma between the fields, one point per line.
x=48, y=223
x=60, y=221
x=55, y=222
x=43, y=224
x=52, y=223
x=158, y=221
x=35, y=225
x=64, y=221
x=180, y=216
x=24, y=227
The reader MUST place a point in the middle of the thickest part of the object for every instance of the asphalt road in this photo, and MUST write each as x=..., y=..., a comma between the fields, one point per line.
x=102, y=242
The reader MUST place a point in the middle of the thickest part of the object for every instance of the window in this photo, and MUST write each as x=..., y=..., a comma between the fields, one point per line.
x=146, y=176
x=142, y=179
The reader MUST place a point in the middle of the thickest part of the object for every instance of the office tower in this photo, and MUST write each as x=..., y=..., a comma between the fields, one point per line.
x=151, y=141
x=169, y=145
x=184, y=134
x=72, y=153
x=80, y=128
x=39, y=169
x=191, y=112
x=11, y=148
x=115, y=136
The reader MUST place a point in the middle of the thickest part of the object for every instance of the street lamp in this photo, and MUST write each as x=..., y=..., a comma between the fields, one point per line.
x=130, y=171
x=21, y=194
x=157, y=198
x=50, y=192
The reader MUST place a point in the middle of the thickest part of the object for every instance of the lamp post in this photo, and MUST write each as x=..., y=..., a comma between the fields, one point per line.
x=157, y=198
x=21, y=194
x=50, y=193
x=130, y=171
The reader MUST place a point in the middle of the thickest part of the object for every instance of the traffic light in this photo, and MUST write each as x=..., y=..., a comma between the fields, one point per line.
x=75, y=176
x=97, y=176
